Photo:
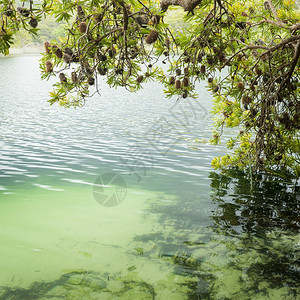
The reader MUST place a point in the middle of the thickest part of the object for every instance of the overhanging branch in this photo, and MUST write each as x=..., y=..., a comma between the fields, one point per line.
x=292, y=66
x=187, y=5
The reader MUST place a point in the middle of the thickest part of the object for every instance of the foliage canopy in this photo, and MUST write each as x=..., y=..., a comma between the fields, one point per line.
x=247, y=51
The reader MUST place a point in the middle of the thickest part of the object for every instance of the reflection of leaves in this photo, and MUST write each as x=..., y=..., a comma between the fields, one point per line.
x=271, y=204
x=229, y=214
x=219, y=181
x=248, y=250
x=262, y=224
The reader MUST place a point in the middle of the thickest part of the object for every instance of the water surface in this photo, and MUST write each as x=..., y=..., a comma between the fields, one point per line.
x=180, y=230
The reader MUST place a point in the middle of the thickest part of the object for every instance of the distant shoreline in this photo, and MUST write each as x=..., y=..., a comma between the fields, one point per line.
x=33, y=49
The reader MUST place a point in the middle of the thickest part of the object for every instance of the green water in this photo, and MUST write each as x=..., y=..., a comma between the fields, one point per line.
x=179, y=231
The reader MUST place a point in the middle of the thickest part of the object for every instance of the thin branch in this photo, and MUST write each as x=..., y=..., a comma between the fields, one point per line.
x=286, y=41
x=295, y=27
x=274, y=12
x=98, y=40
x=268, y=49
x=149, y=11
x=243, y=49
x=282, y=25
x=292, y=67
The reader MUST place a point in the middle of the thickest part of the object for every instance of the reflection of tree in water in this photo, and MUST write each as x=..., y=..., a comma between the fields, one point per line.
x=266, y=223
x=237, y=244
x=272, y=204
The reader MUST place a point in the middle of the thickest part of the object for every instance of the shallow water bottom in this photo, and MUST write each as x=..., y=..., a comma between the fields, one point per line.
x=51, y=235
x=64, y=245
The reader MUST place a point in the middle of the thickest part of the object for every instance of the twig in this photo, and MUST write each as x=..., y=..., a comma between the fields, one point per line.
x=274, y=12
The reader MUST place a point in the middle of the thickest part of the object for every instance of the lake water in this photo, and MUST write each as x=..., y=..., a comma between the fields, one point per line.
x=118, y=200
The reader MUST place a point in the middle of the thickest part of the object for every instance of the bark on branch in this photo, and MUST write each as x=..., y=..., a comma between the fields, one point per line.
x=187, y=5
x=295, y=27
x=292, y=66
x=268, y=49
x=274, y=12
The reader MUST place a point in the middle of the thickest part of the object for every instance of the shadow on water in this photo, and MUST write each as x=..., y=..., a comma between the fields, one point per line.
x=235, y=244
x=81, y=284
x=265, y=222
x=230, y=244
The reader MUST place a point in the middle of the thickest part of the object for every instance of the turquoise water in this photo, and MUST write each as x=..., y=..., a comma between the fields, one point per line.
x=118, y=200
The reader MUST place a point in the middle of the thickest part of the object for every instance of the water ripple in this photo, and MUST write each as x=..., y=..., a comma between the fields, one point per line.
x=117, y=131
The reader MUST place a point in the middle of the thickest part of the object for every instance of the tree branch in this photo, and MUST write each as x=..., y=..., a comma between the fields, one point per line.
x=268, y=49
x=248, y=47
x=295, y=27
x=282, y=25
x=292, y=66
x=274, y=12
x=187, y=5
